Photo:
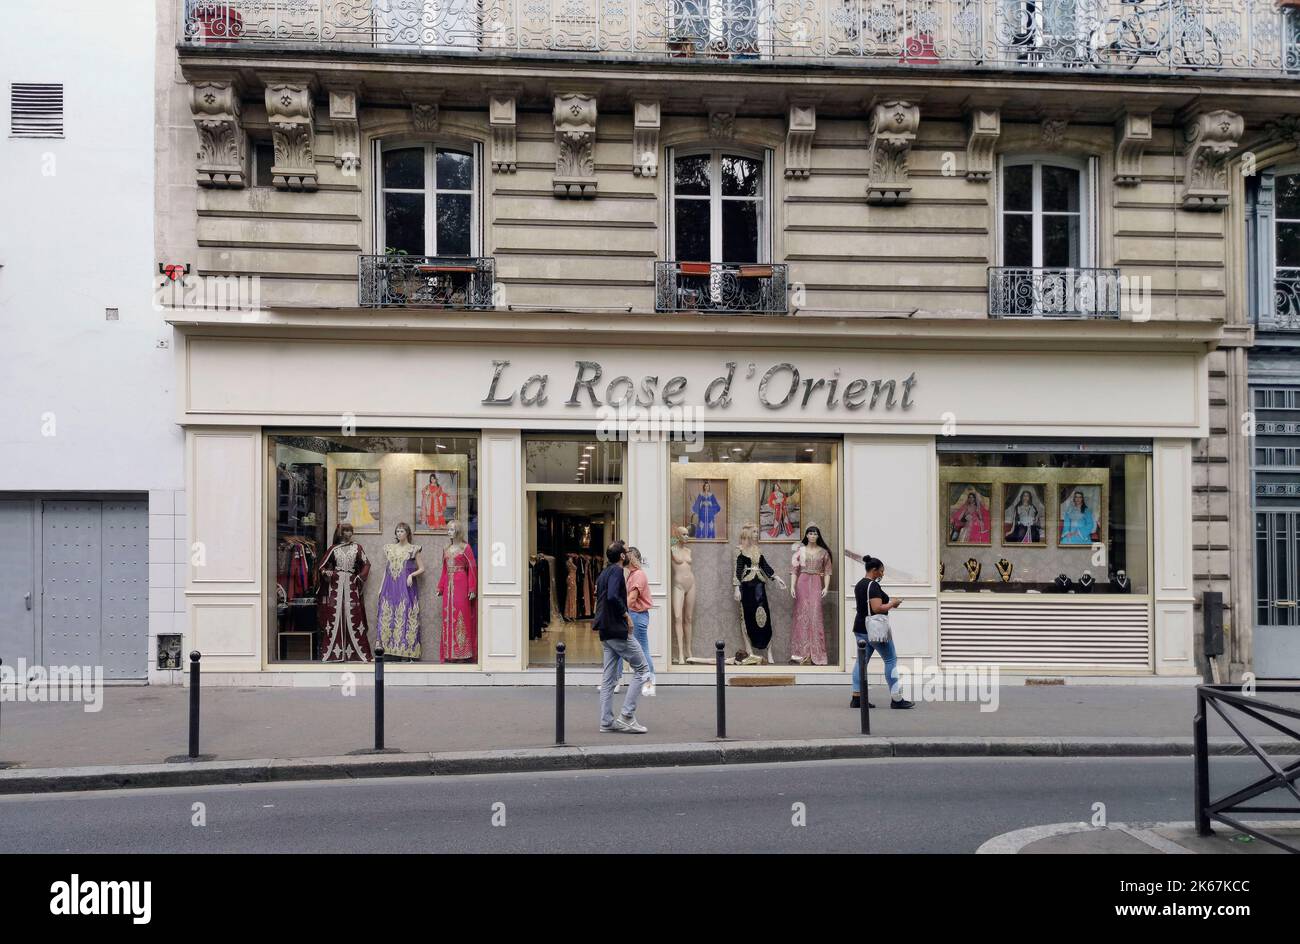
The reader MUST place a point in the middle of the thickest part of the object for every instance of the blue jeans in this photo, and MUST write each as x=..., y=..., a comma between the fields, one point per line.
x=886, y=650
x=615, y=651
x=641, y=632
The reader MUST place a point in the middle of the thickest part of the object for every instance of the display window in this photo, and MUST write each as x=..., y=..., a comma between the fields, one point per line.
x=755, y=551
x=374, y=543
x=1044, y=518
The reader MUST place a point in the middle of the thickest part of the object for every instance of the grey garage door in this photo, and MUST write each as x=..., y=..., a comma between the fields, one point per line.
x=17, y=583
x=95, y=585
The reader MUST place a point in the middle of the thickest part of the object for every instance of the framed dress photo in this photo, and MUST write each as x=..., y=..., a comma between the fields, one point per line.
x=357, y=499
x=437, y=500
x=706, y=509
x=780, y=502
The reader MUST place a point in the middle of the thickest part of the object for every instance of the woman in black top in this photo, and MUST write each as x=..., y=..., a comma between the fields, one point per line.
x=872, y=599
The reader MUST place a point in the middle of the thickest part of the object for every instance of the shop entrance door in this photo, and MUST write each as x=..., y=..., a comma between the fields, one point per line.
x=574, y=510
x=1277, y=594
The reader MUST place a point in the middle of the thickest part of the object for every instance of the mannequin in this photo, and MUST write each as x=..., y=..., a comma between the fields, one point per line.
x=458, y=587
x=810, y=581
x=753, y=573
x=399, y=597
x=683, y=596
x=341, y=609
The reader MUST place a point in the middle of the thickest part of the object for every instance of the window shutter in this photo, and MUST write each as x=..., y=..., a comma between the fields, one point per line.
x=1263, y=260
x=35, y=110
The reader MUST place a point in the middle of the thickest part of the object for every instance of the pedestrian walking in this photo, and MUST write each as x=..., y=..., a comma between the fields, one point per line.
x=614, y=624
x=638, y=606
x=873, y=601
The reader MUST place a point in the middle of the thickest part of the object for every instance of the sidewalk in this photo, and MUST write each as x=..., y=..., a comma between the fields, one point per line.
x=144, y=725
x=1140, y=839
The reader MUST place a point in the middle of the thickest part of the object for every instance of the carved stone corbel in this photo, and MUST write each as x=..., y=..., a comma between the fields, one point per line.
x=1132, y=135
x=1052, y=132
x=291, y=112
x=722, y=117
x=646, y=121
x=347, y=130
x=985, y=128
x=891, y=131
x=1211, y=137
x=800, y=129
x=222, y=155
x=503, y=121
x=575, y=145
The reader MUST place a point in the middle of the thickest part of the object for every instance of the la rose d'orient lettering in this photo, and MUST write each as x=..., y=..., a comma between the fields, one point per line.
x=780, y=386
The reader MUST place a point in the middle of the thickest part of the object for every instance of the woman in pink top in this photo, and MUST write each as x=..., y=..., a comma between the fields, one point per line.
x=638, y=607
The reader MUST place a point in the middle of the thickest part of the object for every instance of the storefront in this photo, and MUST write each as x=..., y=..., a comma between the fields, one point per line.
x=1032, y=499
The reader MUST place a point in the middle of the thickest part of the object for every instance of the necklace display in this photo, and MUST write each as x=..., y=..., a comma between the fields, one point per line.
x=1004, y=569
x=973, y=568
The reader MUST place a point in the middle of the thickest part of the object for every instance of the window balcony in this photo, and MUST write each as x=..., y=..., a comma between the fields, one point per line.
x=1286, y=304
x=1143, y=36
x=1054, y=293
x=721, y=288
x=399, y=281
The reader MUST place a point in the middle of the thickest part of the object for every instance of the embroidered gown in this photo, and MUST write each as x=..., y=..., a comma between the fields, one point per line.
x=808, y=637
x=399, y=605
x=781, y=526
x=706, y=508
x=752, y=577
x=458, y=586
x=433, y=506
x=341, y=609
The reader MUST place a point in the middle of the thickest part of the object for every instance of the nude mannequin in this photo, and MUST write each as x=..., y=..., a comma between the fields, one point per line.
x=683, y=594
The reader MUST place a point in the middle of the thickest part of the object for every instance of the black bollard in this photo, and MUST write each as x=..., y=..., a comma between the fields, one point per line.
x=559, y=693
x=865, y=710
x=195, y=656
x=721, y=658
x=1201, y=785
x=379, y=698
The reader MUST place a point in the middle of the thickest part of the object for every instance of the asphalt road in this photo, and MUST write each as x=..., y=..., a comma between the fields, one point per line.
x=850, y=806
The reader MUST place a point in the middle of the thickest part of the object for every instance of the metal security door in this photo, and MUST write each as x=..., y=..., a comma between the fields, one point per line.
x=70, y=582
x=17, y=583
x=124, y=592
x=1277, y=594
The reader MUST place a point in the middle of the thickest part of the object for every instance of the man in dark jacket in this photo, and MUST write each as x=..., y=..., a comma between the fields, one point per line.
x=615, y=627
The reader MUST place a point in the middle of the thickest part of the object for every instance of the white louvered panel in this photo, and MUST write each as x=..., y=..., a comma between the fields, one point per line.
x=35, y=110
x=1048, y=633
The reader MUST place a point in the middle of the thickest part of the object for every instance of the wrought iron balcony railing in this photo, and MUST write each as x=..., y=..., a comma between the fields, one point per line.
x=1286, y=304
x=397, y=281
x=723, y=287
x=1054, y=293
x=1248, y=36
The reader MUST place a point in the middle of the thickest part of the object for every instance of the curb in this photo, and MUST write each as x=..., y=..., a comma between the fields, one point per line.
x=611, y=757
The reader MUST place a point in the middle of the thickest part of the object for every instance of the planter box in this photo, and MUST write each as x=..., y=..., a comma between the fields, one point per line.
x=755, y=272
x=694, y=268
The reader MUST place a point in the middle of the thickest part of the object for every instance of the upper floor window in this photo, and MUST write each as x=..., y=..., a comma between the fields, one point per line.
x=1044, y=215
x=1273, y=238
x=719, y=207
x=428, y=200
x=717, y=26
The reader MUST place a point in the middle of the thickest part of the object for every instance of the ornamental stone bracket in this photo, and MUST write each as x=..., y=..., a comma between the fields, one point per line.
x=1211, y=136
x=425, y=109
x=222, y=155
x=646, y=122
x=503, y=120
x=347, y=130
x=722, y=118
x=575, y=145
x=291, y=112
x=985, y=127
x=801, y=128
x=1132, y=135
x=891, y=131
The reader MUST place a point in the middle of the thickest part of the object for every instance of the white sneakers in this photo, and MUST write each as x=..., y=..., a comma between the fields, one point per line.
x=629, y=725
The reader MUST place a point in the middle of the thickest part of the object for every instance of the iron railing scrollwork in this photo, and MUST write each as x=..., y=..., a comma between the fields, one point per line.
x=1141, y=35
x=1234, y=706
x=397, y=281
x=727, y=288
x=1286, y=304
x=1016, y=292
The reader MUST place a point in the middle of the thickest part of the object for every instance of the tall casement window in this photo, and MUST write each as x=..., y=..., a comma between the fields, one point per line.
x=1045, y=216
x=1273, y=238
x=719, y=207
x=717, y=26
x=427, y=200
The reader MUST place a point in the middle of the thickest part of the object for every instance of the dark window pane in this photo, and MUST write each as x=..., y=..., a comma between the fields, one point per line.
x=404, y=222
x=1017, y=240
x=1060, y=241
x=263, y=158
x=404, y=169
x=455, y=170
x=691, y=230
x=1018, y=187
x=692, y=174
x=740, y=176
x=454, y=224
x=1288, y=244
x=739, y=231
x=1288, y=196
x=1060, y=189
